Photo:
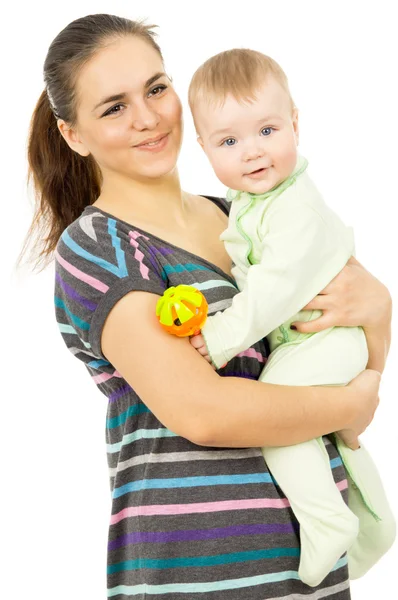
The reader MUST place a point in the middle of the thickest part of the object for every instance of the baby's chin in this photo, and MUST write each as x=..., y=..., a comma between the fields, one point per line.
x=258, y=187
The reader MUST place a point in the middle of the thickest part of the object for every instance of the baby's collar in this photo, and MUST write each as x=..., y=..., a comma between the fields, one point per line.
x=232, y=194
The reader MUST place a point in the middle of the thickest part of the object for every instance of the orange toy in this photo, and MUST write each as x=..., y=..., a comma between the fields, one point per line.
x=182, y=310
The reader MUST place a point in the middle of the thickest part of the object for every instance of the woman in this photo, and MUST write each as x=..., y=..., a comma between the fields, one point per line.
x=194, y=509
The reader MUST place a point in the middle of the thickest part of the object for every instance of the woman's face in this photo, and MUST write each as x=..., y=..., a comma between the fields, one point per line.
x=128, y=115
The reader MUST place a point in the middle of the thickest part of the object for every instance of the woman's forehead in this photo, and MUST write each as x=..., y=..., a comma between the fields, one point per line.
x=123, y=66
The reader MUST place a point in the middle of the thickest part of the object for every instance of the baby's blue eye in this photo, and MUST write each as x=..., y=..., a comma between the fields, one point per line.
x=266, y=131
x=227, y=142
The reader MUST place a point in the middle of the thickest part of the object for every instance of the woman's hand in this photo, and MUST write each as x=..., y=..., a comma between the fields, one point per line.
x=364, y=393
x=353, y=298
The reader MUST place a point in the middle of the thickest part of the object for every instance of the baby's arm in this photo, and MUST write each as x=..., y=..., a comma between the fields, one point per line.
x=198, y=341
x=301, y=253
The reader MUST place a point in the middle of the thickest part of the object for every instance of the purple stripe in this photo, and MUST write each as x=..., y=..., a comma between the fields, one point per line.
x=153, y=251
x=120, y=392
x=198, y=534
x=74, y=295
x=237, y=374
x=162, y=251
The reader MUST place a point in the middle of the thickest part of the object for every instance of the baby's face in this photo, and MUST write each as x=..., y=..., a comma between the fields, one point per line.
x=251, y=146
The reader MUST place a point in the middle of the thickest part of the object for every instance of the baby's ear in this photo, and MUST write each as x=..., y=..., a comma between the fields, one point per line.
x=200, y=142
x=295, y=125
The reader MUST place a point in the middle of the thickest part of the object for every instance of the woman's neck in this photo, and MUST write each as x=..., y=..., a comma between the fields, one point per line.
x=154, y=200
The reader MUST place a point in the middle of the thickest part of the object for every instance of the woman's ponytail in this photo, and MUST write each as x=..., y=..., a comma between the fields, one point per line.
x=64, y=182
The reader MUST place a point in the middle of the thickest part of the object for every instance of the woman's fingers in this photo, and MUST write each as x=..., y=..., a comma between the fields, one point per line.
x=350, y=439
x=320, y=302
x=319, y=324
x=353, y=298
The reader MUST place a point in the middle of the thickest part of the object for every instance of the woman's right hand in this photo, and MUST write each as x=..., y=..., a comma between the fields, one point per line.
x=365, y=399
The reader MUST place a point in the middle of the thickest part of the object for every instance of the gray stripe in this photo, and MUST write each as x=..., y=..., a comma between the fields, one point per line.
x=334, y=589
x=86, y=223
x=220, y=305
x=185, y=456
x=75, y=351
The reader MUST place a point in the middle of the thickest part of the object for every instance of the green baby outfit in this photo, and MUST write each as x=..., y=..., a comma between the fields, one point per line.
x=286, y=246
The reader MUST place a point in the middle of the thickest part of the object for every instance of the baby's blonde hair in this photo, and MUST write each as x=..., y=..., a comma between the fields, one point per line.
x=239, y=72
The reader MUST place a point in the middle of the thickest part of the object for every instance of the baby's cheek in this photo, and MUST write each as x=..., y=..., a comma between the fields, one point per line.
x=226, y=172
x=287, y=160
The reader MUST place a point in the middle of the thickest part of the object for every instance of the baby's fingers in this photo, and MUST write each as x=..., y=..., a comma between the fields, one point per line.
x=203, y=351
x=197, y=341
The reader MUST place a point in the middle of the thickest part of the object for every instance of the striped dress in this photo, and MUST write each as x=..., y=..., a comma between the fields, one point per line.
x=188, y=522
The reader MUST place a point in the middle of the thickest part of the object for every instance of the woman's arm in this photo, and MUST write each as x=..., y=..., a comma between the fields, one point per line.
x=356, y=298
x=189, y=398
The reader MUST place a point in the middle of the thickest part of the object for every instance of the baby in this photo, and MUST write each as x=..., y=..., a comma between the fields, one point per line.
x=286, y=246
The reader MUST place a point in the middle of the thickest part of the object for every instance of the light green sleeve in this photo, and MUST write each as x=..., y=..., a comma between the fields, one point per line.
x=301, y=253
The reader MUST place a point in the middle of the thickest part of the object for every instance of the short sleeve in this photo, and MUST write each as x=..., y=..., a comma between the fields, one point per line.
x=97, y=261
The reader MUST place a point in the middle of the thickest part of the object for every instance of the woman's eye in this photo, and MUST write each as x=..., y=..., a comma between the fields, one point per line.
x=113, y=111
x=156, y=91
x=266, y=131
x=229, y=142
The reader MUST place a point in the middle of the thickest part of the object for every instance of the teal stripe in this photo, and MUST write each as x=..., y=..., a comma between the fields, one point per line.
x=94, y=364
x=180, y=268
x=104, y=264
x=140, y=434
x=122, y=418
x=202, y=561
x=69, y=329
x=61, y=304
x=120, y=257
x=187, y=482
x=208, y=586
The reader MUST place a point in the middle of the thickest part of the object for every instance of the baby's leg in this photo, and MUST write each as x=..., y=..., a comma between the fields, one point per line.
x=327, y=527
x=335, y=357
x=377, y=527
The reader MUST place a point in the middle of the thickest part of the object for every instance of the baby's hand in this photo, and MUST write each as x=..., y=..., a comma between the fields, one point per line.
x=198, y=343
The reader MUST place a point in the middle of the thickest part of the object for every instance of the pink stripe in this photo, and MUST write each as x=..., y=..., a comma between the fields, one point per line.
x=252, y=353
x=138, y=255
x=342, y=485
x=95, y=283
x=105, y=376
x=137, y=234
x=199, y=507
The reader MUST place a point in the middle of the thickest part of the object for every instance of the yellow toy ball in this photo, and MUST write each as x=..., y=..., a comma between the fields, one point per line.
x=182, y=310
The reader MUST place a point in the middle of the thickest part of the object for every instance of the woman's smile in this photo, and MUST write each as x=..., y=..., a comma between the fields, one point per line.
x=156, y=144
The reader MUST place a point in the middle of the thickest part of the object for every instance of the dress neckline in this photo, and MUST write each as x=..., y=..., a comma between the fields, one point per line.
x=214, y=267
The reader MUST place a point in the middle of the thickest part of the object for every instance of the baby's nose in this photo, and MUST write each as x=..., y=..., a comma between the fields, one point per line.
x=253, y=152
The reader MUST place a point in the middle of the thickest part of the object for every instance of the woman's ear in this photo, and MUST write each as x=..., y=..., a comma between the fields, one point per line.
x=72, y=138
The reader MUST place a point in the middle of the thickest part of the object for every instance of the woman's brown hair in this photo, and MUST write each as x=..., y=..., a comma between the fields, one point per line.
x=64, y=182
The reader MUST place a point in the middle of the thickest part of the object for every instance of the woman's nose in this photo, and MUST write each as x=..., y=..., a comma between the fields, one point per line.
x=144, y=117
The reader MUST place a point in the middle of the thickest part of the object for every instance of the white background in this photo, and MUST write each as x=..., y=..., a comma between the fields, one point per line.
x=340, y=58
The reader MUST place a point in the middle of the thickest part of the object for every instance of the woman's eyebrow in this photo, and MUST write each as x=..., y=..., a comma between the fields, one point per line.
x=122, y=95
